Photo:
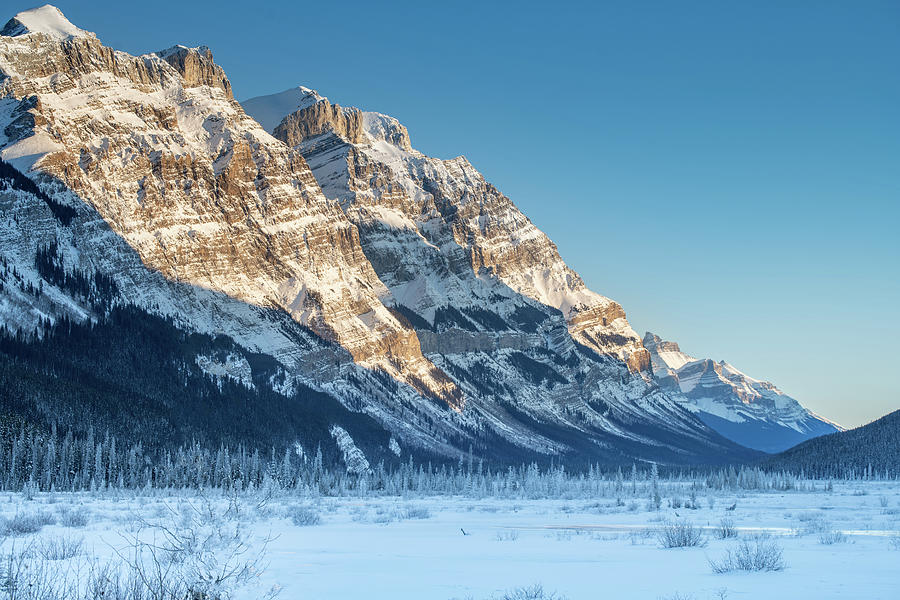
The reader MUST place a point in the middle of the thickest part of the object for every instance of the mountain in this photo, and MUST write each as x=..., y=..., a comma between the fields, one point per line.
x=751, y=412
x=872, y=449
x=404, y=289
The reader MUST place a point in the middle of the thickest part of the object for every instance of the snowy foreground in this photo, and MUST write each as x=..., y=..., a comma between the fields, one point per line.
x=843, y=543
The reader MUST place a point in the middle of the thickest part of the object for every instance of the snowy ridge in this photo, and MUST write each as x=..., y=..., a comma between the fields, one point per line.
x=270, y=112
x=47, y=20
x=727, y=398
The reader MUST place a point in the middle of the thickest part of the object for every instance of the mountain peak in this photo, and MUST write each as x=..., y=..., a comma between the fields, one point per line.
x=654, y=343
x=270, y=110
x=197, y=67
x=46, y=19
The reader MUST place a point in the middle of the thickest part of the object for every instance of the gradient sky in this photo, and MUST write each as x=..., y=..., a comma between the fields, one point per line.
x=729, y=172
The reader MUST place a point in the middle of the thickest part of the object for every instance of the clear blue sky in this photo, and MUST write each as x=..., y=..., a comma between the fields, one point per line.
x=729, y=172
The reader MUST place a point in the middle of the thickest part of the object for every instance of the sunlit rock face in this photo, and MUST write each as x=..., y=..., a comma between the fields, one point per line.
x=408, y=287
x=470, y=233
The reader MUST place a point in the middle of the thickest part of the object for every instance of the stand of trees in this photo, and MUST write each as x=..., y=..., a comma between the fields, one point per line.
x=31, y=459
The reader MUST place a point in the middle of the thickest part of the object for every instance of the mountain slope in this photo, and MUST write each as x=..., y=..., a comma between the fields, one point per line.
x=414, y=210
x=873, y=448
x=749, y=411
x=493, y=303
x=403, y=287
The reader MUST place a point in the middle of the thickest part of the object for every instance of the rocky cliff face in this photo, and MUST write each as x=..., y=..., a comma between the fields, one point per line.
x=755, y=413
x=407, y=287
x=406, y=204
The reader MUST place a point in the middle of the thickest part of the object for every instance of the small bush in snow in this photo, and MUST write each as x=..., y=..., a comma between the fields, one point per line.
x=418, y=512
x=895, y=542
x=832, y=536
x=726, y=529
x=507, y=536
x=60, y=548
x=811, y=523
x=757, y=554
x=534, y=592
x=679, y=534
x=73, y=518
x=26, y=523
x=302, y=516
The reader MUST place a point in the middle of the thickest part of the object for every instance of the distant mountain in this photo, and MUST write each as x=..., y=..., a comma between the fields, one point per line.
x=872, y=448
x=751, y=412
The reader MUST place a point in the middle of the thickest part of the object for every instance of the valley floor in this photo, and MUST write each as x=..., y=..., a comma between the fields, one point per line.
x=843, y=543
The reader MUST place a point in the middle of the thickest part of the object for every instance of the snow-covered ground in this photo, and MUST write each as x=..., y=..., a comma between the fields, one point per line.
x=443, y=548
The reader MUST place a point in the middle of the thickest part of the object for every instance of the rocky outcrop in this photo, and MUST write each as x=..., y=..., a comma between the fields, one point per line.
x=196, y=67
x=320, y=118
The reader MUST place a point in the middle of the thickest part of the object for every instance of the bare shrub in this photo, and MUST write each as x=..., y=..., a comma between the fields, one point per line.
x=195, y=554
x=510, y=535
x=25, y=523
x=534, y=592
x=21, y=576
x=418, y=512
x=758, y=554
x=60, y=548
x=832, y=536
x=680, y=534
x=76, y=518
x=810, y=523
x=726, y=529
x=894, y=542
x=303, y=516
x=202, y=554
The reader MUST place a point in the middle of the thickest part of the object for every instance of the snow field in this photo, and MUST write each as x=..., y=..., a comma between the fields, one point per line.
x=835, y=544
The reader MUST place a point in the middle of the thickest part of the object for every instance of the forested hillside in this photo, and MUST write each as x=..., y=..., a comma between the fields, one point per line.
x=138, y=378
x=872, y=449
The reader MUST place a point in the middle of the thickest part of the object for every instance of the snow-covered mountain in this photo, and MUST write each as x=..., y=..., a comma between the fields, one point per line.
x=752, y=412
x=406, y=287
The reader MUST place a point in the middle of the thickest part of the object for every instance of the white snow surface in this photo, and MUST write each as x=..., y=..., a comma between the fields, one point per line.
x=580, y=548
x=46, y=19
x=270, y=110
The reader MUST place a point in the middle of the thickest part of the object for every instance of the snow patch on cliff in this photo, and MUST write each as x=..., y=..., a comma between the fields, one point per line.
x=353, y=457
